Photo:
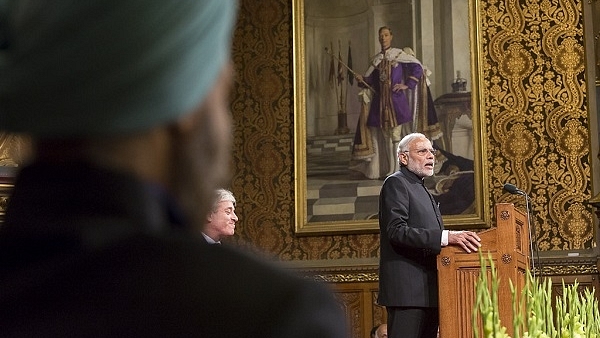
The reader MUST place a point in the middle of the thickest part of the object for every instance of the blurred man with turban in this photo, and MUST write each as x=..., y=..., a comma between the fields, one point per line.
x=127, y=105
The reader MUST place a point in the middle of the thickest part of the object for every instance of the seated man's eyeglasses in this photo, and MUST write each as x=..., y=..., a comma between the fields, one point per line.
x=422, y=152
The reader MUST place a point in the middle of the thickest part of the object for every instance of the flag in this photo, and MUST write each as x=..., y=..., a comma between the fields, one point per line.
x=349, y=63
x=340, y=67
x=331, y=66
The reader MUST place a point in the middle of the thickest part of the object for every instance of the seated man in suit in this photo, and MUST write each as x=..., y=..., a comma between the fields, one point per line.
x=221, y=220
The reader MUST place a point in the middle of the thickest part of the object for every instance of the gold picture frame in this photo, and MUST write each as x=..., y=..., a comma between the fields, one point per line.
x=305, y=77
x=5, y=191
x=7, y=177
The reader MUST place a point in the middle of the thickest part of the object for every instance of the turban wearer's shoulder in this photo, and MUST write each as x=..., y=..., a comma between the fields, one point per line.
x=71, y=68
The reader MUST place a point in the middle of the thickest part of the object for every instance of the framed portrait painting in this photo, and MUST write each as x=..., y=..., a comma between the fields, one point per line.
x=341, y=160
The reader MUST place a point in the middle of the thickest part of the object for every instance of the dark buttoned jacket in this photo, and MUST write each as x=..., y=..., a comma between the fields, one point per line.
x=410, y=232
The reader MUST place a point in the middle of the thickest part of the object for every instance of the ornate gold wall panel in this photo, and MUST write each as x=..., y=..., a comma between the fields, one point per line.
x=535, y=115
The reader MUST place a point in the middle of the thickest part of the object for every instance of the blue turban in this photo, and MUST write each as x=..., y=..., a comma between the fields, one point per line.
x=72, y=68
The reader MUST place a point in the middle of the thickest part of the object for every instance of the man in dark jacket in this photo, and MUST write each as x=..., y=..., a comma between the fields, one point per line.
x=127, y=105
x=412, y=234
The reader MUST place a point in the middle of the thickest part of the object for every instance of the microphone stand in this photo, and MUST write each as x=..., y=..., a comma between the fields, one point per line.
x=516, y=191
x=531, y=233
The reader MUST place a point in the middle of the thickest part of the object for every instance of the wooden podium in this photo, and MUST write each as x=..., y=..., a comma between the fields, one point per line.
x=508, y=244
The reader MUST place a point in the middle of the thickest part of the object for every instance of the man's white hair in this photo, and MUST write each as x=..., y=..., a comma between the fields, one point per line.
x=406, y=140
x=222, y=195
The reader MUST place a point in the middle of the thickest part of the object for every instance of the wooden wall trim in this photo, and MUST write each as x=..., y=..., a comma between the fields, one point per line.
x=585, y=263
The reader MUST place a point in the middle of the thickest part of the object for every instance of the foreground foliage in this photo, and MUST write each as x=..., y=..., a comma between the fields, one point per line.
x=574, y=314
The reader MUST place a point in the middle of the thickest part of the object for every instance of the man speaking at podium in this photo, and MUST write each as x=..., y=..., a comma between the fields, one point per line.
x=412, y=235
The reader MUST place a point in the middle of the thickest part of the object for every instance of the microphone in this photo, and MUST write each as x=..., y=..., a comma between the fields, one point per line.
x=511, y=188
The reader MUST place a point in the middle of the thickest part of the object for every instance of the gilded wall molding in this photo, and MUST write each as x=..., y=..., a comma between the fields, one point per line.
x=346, y=278
x=578, y=264
x=589, y=267
x=566, y=270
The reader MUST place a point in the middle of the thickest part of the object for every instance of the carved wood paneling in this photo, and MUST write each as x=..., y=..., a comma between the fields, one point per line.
x=353, y=305
x=359, y=301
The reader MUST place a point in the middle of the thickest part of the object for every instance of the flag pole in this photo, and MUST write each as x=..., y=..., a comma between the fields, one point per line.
x=342, y=114
x=349, y=69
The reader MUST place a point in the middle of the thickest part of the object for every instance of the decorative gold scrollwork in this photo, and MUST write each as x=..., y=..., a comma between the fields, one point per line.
x=348, y=277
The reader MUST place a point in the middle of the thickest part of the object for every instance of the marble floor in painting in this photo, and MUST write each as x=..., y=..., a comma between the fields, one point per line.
x=333, y=191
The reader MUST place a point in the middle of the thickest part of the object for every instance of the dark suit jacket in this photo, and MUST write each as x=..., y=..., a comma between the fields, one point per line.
x=411, y=230
x=89, y=253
